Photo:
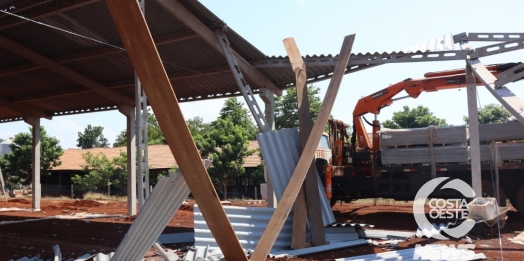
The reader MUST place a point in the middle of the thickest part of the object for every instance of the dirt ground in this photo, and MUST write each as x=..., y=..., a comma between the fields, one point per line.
x=78, y=237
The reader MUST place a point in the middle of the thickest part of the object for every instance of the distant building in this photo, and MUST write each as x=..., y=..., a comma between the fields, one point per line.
x=5, y=146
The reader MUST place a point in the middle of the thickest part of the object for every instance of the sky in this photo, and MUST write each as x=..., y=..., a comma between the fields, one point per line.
x=319, y=28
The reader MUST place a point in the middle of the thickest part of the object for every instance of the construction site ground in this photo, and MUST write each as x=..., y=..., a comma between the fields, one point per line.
x=78, y=237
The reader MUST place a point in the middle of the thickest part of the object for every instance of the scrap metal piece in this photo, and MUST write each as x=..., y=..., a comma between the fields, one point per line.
x=167, y=254
x=427, y=252
x=58, y=254
x=506, y=97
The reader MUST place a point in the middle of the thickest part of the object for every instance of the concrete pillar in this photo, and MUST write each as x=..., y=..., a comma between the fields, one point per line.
x=269, y=111
x=35, y=182
x=476, y=178
x=129, y=112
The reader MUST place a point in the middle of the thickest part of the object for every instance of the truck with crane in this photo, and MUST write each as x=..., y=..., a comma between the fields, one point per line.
x=369, y=167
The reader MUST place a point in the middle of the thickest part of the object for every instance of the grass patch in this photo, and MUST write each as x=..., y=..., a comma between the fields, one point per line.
x=100, y=196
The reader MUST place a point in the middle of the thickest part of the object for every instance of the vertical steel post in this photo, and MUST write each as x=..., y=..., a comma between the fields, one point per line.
x=141, y=133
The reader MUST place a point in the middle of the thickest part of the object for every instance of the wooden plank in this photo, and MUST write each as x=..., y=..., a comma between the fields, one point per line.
x=64, y=71
x=308, y=199
x=201, y=29
x=145, y=58
x=288, y=198
x=476, y=178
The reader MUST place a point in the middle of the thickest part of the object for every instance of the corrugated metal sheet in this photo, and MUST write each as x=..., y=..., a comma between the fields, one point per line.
x=280, y=150
x=318, y=249
x=441, y=43
x=427, y=252
x=249, y=224
x=169, y=193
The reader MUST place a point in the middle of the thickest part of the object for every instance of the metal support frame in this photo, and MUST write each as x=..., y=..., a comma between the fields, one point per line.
x=35, y=182
x=269, y=112
x=241, y=82
x=129, y=112
x=141, y=136
x=3, y=184
x=505, y=96
x=510, y=75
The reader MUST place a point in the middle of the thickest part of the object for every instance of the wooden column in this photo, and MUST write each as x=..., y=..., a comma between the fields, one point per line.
x=145, y=59
x=474, y=139
x=35, y=182
x=290, y=194
x=308, y=199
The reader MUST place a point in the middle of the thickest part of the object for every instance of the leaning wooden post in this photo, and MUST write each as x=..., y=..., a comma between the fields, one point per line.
x=308, y=199
x=145, y=59
x=288, y=198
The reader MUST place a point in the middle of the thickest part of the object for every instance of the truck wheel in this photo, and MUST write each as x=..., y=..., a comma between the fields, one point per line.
x=333, y=201
x=487, y=191
x=518, y=201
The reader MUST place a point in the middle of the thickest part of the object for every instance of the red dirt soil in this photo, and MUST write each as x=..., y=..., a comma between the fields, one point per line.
x=78, y=237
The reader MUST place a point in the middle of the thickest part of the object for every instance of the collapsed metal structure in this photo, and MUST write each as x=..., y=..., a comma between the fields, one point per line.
x=249, y=68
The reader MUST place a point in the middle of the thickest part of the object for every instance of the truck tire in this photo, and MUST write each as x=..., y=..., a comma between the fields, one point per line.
x=487, y=191
x=518, y=201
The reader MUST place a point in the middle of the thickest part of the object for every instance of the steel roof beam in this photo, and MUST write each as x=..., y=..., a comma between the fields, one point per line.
x=64, y=71
x=494, y=37
x=45, y=12
x=25, y=110
x=97, y=52
x=191, y=21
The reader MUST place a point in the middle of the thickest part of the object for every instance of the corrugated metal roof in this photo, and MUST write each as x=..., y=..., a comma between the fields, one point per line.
x=280, y=150
x=91, y=18
x=441, y=43
x=427, y=252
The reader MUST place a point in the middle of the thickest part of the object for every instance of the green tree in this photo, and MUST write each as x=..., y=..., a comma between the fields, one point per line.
x=233, y=109
x=19, y=163
x=418, y=117
x=491, y=113
x=227, y=144
x=286, y=107
x=99, y=170
x=155, y=136
x=92, y=138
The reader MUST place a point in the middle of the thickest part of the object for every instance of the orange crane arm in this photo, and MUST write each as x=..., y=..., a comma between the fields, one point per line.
x=434, y=81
